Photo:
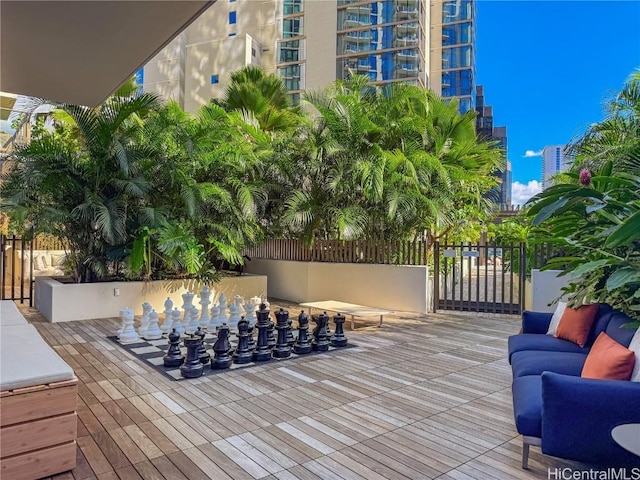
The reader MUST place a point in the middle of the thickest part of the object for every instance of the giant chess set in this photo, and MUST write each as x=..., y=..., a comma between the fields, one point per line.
x=194, y=342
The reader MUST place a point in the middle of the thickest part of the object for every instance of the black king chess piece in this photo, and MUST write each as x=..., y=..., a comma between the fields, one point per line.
x=203, y=355
x=192, y=368
x=262, y=351
x=339, y=339
x=222, y=349
x=302, y=344
x=174, y=357
x=243, y=353
x=320, y=340
x=282, y=348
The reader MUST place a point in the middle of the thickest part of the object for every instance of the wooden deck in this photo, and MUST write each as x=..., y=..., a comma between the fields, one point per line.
x=422, y=397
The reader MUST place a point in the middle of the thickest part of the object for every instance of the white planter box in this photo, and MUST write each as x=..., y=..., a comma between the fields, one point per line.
x=59, y=302
x=546, y=288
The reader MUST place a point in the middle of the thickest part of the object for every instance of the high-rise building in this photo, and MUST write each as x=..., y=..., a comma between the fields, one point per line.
x=452, y=51
x=309, y=43
x=554, y=161
x=486, y=130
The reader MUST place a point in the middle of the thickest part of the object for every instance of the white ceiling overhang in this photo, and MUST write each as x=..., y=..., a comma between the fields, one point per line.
x=81, y=51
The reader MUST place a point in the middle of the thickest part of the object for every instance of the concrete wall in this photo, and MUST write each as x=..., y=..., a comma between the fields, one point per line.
x=60, y=302
x=320, y=20
x=401, y=288
x=546, y=288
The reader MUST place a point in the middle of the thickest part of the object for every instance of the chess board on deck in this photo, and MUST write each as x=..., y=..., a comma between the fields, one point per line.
x=153, y=351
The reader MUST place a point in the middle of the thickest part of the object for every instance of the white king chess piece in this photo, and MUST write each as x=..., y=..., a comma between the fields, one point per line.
x=214, y=324
x=175, y=321
x=205, y=296
x=250, y=315
x=222, y=312
x=153, y=331
x=192, y=326
x=129, y=334
x=144, y=320
x=187, y=303
x=168, y=308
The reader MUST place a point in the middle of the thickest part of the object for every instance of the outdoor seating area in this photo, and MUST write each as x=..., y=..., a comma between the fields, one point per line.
x=425, y=396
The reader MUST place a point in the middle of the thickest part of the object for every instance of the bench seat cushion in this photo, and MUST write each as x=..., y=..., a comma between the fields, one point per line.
x=530, y=362
x=541, y=342
x=10, y=315
x=26, y=360
x=527, y=405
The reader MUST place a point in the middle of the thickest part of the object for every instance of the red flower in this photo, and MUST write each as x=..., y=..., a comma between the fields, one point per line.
x=585, y=177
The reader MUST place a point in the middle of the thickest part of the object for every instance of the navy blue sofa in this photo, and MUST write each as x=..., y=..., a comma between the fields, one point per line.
x=568, y=416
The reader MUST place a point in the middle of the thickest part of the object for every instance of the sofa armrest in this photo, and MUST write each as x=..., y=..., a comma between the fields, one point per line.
x=535, y=322
x=578, y=415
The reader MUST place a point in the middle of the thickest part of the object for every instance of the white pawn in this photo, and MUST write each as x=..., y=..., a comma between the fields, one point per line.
x=144, y=320
x=175, y=321
x=123, y=312
x=266, y=303
x=205, y=294
x=193, y=324
x=187, y=303
x=153, y=331
x=222, y=312
x=256, y=301
x=250, y=312
x=214, y=324
x=168, y=308
x=234, y=316
x=128, y=334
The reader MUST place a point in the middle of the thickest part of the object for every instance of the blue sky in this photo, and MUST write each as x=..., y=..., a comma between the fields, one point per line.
x=547, y=68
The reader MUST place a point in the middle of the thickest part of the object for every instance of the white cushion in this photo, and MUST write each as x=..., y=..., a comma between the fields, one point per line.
x=27, y=360
x=555, y=320
x=38, y=262
x=10, y=315
x=634, y=346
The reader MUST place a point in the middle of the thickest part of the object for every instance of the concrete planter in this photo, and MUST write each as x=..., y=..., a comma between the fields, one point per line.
x=546, y=287
x=60, y=302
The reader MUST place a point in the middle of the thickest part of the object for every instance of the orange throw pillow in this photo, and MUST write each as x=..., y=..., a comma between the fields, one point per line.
x=608, y=360
x=575, y=323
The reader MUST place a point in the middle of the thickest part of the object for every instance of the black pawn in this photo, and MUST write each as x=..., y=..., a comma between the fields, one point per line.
x=203, y=355
x=174, y=357
x=243, y=353
x=252, y=340
x=320, y=340
x=339, y=339
x=262, y=351
x=282, y=348
x=221, y=349
x=271, y=336
x=192, y=368
x=290, y=338
x=302, y=344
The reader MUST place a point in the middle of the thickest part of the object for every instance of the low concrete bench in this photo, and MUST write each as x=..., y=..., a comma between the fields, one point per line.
x=38, y=397
x=351, y=309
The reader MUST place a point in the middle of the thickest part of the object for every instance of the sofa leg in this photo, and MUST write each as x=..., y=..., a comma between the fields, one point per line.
x=525, y=455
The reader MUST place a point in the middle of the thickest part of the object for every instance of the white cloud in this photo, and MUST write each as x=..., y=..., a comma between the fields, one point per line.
x=521, y=192
x=532, y=153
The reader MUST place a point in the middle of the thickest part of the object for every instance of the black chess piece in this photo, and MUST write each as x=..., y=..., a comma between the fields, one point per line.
x=302, y=344
x=271, y=336
x=339, y=339
x=203, y=355
x=192, y=368
x=252, y=340
x=282, y=348
x=290, y=338
x=320, y=341
x=222, y=349
x=174, y=357
x=262, y=351
x=243, y=353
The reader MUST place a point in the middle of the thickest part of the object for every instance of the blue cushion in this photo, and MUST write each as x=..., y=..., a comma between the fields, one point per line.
x=600, y=324
x=532, y=362
x=620, y=334
x=527, y=405
x=538, y=341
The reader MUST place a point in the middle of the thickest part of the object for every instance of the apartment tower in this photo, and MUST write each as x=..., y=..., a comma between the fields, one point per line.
x=554, y=161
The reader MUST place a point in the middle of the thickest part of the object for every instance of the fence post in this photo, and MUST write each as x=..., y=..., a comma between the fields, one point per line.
x=436, y=276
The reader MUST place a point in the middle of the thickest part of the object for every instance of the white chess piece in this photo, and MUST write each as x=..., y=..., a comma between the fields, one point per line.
x=168, y=308
x=153, y=331
x=250, y=312
x=128, y=334
x=234, y=317
x=266, y=303
x=123, y=312
x=222, y=312
x=144, y=320
x=187, y=303
x=256, y=301
x=192, y=324
x=175, y=321
x=205, y=294
x=214, y=324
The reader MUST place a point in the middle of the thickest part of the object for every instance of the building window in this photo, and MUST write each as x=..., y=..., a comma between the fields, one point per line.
x=232, y=34
x=214, y=79
x=232, y=18
x=253, y=52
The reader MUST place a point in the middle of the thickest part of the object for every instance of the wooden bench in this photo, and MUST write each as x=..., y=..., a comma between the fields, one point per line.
x=38, y=398
x=351, y=309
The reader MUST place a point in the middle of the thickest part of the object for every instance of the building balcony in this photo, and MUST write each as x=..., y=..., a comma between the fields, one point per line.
x=407, y=3
x=407, y=29
x=359, y=9
x=405, y=41
x=408, y=55
x=406, y=13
